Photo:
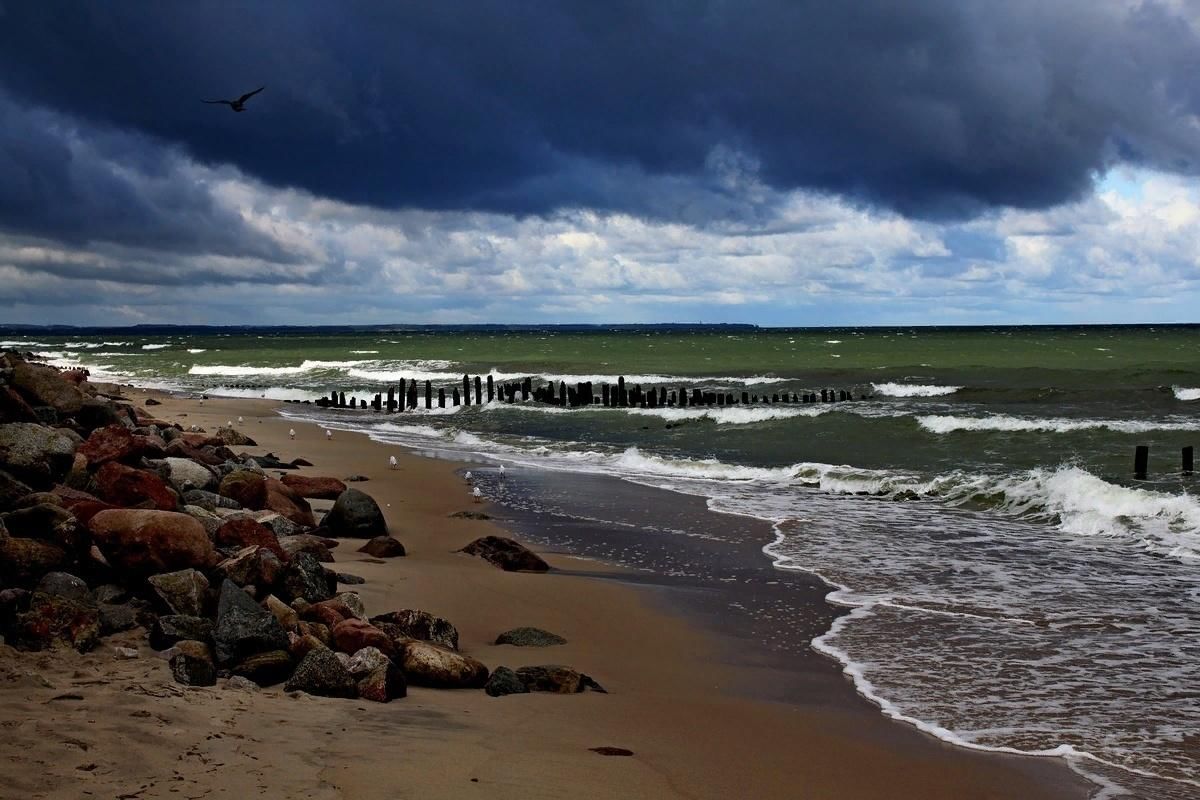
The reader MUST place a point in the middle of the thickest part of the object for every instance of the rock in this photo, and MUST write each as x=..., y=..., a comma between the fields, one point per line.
x=53, y=619
x=115, y=618
x=366, y=661
x=244, y=628
x=186, y=475
x=530, y=637
x=413, y=624
x=355, y=514
x=313, y=487
x=13, y=407
x=45, y=386
x=383, y=685
x=179, y=448
x=427, y=664
x=322, y=673
x=470, y=515
x=277, y=523
x=285, y=614
x=66, y=586
x=506, y=554
x=305, y=577
x=324, y=613
x=110, y=593
x=49, y=523
x=35, y=454
x=171, y=628
x=349, y=604
x=37, y=499
x=238, y=683
x=353, y=478
x=82, y=505
x=270, y=461
x=266, y=669
x=287, y=503
x=301, y=645
x=557, y=679
x=317, y=546
x=110, y=443
x=253, y=566
x=346, y=578
x=24, y=561
x=611, y=751
x=183, y=591
x=11, y=491
x=209, y=500
x=145, y=542
x=234, y=438
x=352, y=635
x=46, y=415
x=125, y=653
x=134, y=488
x=245, y=532
x=208, y=519
x=97, y=413
x=247, y=488
x=504, y=681
x=383, y=547
x=192, y=664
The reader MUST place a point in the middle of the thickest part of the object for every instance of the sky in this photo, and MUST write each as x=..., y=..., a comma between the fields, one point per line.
x=779, y=162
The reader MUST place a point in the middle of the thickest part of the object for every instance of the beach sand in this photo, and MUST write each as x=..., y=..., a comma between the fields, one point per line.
x=98, y=726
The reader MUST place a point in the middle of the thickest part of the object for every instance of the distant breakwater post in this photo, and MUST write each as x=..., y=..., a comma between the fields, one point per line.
x=403, y=396
x=1141, y=461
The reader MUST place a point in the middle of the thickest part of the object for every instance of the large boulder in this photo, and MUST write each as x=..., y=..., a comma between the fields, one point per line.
x=383, y=547
x=23, y=562
x=186, y=475
x=504, y=681
x=287, y=503
x=183, y=591
x=414, y=624
x=45, y=386
x=35, y=454
x=245, y=532
x=143, y=542
x=52, y=619
x=97, y=413
x=49, y=523
x=66, y=586
x=110, y=443
x=355, y=514
x=244, y=627
x=11, y=490
x=317, y=546
x=234, y=438
x=192, y=664
x=506, y=554
x=135, y=488
x=314, y=487
x=171, y=628
x=14, y=408
x=246, y=487
x=253, y=566
x=322, y=673
x=305, y=577
x=427, y=664
x=352, y=635
x=530, y=637
x=557, y=679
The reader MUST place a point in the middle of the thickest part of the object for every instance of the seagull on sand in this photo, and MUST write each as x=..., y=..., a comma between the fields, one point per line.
x=391, y=462
x=328, y=435
x=238, y=105
x=229, y=423
x=468, y=476
x=478, y=495
x=241, y=421
x=501, y=472
x=291, y=433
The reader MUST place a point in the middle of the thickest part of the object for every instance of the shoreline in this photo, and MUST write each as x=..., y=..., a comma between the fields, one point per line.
x=674, y=690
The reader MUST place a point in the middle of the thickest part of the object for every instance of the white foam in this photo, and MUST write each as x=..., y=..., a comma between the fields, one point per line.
x=154, y=346
x=730, y=415
x=913, y=389
x=363, y=352
x=1186, y=393
x=194, y=350
x=1004, y=422
x=244, y=370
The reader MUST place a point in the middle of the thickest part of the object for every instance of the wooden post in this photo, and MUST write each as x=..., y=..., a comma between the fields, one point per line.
x=333, y=398
x=466, y=393
x=412, y=394
x=622, y=395
x=478, y=390
x=683, y=397
x=1141, y=457
x=526, y=388
x=491, y=389
x=379, y=401
x=391, y=399
x=341, y=399
x=604, y=395
x=455, y=397
x=1187, y=460
x=428, y=394
x=441, y=398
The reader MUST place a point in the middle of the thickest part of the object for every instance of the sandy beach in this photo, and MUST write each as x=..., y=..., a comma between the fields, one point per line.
x=98, y=726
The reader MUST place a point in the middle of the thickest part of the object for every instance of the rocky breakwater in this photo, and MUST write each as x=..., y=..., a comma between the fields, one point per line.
x=112, y=519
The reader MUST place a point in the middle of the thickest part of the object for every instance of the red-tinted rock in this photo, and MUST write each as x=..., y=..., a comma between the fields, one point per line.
x=110, y=443
x=178, y=448
x=146, y=542
x=253, y=566
x=53, y=619
x=285, y=502
x=506, y=554
x=383, y=685
x=134, y=488
x=245, y=532
x=23, y=562
x=383, y=547
x=83, y=505
x=314, y=487
x=352, y=635
x=327, y=615
x=150, y=446
x=246, y=487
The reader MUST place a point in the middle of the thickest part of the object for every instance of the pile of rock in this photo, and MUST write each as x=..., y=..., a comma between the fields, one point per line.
x=111, y=519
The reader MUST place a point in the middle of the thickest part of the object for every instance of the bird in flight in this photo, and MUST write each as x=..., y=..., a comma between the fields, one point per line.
x=238, y=105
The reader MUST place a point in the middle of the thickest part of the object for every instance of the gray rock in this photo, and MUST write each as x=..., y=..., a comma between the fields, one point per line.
x=322, y=673
x=192, y=665
x=185, y=475
x=530, y=637
x=11, y=491
x=427, y=664
x=557, y=679
x=504, y=681
x=244, y=627
x=45, y=386
x=307, y=543
x=67, y=586
x=116, y=618
x=348, y=579
x=305, y=577
x=47, y=522
x=35, y=454
x=171, y=628
x=355, y=514
x=414, y=624
x=366, y=661
x=209, y=500
x=183, y=591
x=506, y=554
x=110, y=593
x=280, y=525
x=238, y=683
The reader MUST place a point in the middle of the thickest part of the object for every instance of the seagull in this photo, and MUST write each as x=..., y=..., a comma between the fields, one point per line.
x=501, y=472
x=328, y=435
x=291, y=433
x=241, y=421
x=468, y=476
x=229, y=424
x=478, y=495
x=238, y=105
x=391, y=462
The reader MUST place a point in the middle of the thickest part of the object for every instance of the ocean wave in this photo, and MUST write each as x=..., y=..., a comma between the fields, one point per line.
x=1186, y=393
x=913, y=389
x=423, y=371
x=245, y=370
x=730, y=415
x=194, y=350
x=155, y=346
x=1003, y=422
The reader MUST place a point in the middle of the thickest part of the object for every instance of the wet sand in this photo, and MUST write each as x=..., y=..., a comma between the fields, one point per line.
x=680, y=691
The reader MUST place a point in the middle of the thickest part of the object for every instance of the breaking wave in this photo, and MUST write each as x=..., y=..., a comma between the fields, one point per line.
x=913, y=389
x=1010, y=424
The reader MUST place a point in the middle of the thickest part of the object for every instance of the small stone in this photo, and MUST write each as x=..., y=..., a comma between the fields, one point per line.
x=611, y=751
x=383, y=547
x=241, y=684
x=349, y=580
x=116, y=618
x=557, y=679
x=530, y=637
x=125, y=653
x=192, y=665
x=287, y=616
x=66, y=586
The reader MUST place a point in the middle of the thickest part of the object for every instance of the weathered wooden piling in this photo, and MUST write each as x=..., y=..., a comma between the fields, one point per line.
x=455, y=397
x=622, y=395
x=1187, y=461
x=391, y=399
x=683, y=397
x=428, y=394
x=491, y=389
x=441, y=398
x=1141, y=458
x=466, y=392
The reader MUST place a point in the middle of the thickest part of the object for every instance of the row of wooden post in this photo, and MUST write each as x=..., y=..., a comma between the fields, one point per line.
x=1141, y=461
x=582, y=395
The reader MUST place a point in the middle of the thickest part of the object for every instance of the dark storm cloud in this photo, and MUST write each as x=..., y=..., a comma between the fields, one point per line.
x=939, y=108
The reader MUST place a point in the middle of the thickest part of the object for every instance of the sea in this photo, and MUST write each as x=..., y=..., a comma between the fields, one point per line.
x=1009, y=584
